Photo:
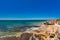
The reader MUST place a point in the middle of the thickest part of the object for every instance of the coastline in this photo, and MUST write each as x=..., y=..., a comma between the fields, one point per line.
x=38, y=30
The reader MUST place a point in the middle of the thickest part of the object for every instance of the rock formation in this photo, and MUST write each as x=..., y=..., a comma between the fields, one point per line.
x=48, y=31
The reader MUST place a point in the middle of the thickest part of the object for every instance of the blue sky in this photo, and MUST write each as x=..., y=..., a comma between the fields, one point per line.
x=29, y=9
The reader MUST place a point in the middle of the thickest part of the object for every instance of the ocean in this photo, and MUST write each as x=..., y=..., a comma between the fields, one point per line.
x=12, y=26
x=17, y=23
x=6, y=25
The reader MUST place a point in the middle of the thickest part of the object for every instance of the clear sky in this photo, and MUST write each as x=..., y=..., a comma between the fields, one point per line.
x=29, y=9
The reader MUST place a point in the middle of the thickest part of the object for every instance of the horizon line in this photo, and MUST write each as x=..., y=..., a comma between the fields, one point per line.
x=29, y=18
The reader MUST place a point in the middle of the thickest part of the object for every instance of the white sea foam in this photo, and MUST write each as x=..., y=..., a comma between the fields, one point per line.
x=32, y=28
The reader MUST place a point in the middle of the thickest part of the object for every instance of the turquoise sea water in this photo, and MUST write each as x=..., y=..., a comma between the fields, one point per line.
x=11, y=27
x=9, y=24
x=19, y=22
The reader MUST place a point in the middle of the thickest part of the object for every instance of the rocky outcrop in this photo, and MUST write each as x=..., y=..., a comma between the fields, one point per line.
x=49, y=30
x=9, y=37
x=25, y=36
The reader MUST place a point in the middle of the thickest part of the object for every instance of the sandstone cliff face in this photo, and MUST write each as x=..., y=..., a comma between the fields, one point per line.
x=48, y=31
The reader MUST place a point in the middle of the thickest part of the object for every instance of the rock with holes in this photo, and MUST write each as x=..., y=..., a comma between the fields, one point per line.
x=25, y=36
